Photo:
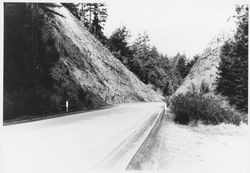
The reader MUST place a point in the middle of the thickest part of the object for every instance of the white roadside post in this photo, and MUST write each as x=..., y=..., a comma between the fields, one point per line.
x=67, y=105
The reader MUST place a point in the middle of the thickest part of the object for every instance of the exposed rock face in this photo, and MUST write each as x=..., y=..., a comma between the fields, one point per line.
x=70, y=64
x=91, y=65
x=206, y=67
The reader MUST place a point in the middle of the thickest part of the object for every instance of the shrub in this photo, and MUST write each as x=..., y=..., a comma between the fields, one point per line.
x=206, y=108
x=204, y=88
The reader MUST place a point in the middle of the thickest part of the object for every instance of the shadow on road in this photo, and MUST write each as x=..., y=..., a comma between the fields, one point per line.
x=29, y=119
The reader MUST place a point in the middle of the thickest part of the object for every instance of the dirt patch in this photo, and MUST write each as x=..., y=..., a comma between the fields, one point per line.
x=202, y=148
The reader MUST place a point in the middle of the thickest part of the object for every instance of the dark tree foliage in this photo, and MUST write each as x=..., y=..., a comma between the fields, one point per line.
x=73, y=8
x=144, y=61
x=27, y=80
x=204, y=88
x=181, y=65
x=191, y=63
x=118, y=41
x=193, y=107
x=97, y=29
x=233, y=70
x=94, y=16
x=89, y=10
x=119, y=46
x=141, y=50
x=48, y=8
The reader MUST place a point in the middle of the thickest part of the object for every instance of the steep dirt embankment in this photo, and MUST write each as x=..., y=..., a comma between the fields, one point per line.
x=91, y=65
x=205, y=69
x=52, y=58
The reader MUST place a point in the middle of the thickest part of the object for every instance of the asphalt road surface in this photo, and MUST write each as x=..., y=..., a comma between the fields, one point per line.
x=102, y=139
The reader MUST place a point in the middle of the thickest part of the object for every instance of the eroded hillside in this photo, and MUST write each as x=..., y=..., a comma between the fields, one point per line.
x=205, y=69
x=71, y=65
x=93, y=66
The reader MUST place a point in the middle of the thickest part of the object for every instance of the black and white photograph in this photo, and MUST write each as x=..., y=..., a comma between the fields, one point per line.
x=132, y=85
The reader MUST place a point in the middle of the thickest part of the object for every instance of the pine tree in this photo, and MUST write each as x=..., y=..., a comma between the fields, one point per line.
x=118, y=41
x=94, y=16
x=141, y=51
x=181, y=65
x=96, y=27
x=191, y=63
x=232, y=80
x=119, y=46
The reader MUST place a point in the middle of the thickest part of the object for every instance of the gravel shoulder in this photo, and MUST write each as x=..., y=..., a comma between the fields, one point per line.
x=221, y=148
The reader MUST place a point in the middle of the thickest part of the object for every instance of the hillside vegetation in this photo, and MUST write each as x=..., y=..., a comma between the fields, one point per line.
x=50, y=57
x=216, y=88
x=206, y=67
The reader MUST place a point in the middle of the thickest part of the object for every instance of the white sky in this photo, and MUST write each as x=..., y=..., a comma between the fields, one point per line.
x=184, y=26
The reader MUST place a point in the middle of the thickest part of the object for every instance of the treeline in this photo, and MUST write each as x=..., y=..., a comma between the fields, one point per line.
x=163, y=73
x=166, y=73
x=92, y=15
x=229, y=102
x=233, y=70
x=28, y=84
x=30, y=51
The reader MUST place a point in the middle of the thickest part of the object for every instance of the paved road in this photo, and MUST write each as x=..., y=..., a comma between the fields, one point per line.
x=103, y=139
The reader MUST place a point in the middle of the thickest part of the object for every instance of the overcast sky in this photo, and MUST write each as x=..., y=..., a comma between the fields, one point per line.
x=184, y=26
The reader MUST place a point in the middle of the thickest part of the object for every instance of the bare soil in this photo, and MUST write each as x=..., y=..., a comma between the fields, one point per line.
x=221, y=148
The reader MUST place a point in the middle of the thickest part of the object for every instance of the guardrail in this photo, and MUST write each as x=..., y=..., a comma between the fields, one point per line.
x=122, y=155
